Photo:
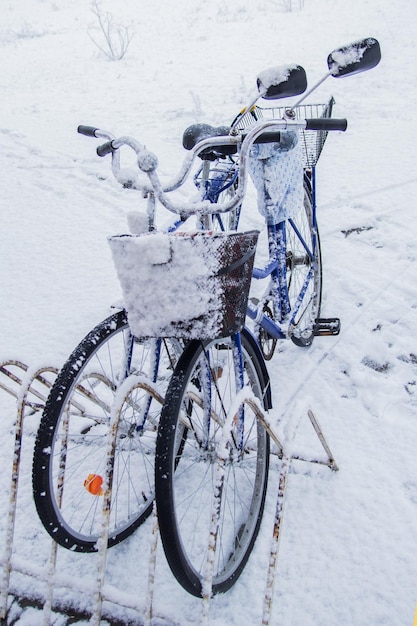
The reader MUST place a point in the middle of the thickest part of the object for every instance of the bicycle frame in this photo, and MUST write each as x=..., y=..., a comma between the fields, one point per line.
x=212, y=189
x=276, y=268
x=213, y=182
x=277, y=291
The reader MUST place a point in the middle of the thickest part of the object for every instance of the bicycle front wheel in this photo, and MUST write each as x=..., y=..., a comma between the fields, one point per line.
x=69, y=464
x=201, y=396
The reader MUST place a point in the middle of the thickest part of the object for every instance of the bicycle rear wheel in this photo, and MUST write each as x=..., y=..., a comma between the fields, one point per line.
x=304, y=272
x=201, y=394
x=69, y=464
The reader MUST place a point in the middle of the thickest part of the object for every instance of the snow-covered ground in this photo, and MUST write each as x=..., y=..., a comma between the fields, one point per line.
x=348, y=547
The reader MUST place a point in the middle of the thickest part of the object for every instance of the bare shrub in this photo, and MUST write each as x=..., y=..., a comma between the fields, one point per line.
x=292, y=5
x=115, y=38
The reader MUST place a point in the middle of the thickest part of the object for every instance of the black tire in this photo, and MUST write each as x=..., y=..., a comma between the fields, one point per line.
x=186, y=464
x=299, y=264
x=71, y=445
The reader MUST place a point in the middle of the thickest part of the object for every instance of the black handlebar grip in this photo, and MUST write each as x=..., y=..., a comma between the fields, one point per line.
x=105, y=148
x=326, y=123
x=269, y=137
x=89, y=131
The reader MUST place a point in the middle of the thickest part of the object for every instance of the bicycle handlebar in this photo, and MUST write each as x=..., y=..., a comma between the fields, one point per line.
x=93, y=131
x=148, y=162
x=326, y=123
x=105, y=148
x=319, y=124
x=88, y=131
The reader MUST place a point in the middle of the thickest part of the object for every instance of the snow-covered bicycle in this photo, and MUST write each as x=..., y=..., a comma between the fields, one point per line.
x=199, y=369
x=213, y=445
x=112, y=372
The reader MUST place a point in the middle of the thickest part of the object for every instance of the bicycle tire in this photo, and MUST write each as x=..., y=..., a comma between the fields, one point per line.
x=299, y=265
x=185, y=466
x=74, y=431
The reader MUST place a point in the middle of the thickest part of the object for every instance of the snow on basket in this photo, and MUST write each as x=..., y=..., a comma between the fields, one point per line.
x=185, y=285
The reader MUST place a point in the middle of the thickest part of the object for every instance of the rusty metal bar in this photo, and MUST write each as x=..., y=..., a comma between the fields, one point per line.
x=26, y=388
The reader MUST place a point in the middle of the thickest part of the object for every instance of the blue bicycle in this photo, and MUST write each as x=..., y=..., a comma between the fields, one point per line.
x=213, y=444
x=178, y=398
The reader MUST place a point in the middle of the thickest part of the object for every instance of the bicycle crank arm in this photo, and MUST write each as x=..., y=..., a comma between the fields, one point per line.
x=326, y=326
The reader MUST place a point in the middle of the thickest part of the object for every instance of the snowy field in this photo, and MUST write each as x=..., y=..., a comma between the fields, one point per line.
x=348, y=548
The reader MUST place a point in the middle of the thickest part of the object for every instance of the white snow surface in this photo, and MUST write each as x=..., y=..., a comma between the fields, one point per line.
x=348, y=545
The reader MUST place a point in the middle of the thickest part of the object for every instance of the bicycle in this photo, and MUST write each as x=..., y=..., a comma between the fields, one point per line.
x=213, y=443
x=69, y=458
x=70, y=454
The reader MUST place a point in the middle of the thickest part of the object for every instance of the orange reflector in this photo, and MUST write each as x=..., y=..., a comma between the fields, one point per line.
x=93, y=484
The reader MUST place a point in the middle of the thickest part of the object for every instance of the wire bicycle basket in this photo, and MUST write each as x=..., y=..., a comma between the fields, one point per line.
x=185, y=285
x=312, y=141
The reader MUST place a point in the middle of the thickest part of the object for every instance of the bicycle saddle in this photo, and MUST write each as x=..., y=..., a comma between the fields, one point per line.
x=197, y=132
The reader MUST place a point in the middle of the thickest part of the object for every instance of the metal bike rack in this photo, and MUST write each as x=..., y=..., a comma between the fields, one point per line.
x=30, y=387
x=287, y=458
x=284, y=453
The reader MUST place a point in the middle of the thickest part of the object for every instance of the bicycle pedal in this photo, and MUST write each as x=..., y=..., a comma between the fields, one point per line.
x=326, y=326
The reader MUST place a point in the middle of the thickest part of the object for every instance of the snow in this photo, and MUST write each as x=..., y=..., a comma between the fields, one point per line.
x=347, y=550
x=274, y=76
x=158, y=269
